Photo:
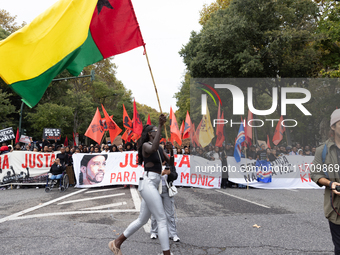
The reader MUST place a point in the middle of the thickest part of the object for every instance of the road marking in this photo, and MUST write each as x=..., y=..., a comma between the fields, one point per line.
x=90, y=198
x=104, y=206
x=101, y=190
x=243, y=199
x=137, y=203
x=16, y=215
x=294, y=190
x=70, y=213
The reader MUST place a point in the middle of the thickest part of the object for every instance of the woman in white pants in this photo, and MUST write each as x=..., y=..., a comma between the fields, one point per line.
x=169, y=207
x=152, y=155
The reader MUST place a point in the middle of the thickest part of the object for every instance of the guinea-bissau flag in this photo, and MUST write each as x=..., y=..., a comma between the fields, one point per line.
x=70, y=35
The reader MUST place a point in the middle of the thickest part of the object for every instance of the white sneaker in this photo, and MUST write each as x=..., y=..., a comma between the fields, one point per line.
x=153, y=236
x=162, y=253
x=176, y=239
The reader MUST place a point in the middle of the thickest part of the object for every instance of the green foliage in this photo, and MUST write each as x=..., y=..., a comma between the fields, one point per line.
x=207, y=10
x=255, y=39
x=329, y=46
x=183, y=99
x=50, y=115
x=7, y=22
x=3, y=34
x=6, y=109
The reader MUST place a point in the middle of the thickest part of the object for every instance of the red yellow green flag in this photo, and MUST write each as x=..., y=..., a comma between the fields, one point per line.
x=70, y=34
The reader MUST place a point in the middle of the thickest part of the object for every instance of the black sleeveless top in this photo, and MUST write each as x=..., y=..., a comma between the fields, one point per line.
x=154, y=158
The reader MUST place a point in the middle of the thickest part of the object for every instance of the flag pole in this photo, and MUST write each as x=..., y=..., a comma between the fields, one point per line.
x=154, y=84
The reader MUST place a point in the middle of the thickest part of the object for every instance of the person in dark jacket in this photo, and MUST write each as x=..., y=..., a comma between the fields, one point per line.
x=56, y=170
x=63, y=156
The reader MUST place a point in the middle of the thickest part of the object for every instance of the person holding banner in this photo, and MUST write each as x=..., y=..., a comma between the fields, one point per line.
x=325, y=172
x=152, y=154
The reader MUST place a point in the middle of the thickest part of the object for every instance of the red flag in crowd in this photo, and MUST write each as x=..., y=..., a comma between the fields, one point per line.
x=197, y=133
x=66, y=142
x=174, y=130
x=103, y=123
x=149, y=120
x=135, y=137
x=220, y=129
x=125, y=135
x=278, y=134
x=127, y=123
x=95, y=131
x=163, y=140
x=114, y=130
x=192, y=134
x=182, y=129
x=74, y=140
x=137, y=123
x=17, y=138
x=268, y=142
x=187, y=126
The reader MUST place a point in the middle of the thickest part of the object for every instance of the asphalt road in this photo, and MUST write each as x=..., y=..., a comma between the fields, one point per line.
x=83, y=221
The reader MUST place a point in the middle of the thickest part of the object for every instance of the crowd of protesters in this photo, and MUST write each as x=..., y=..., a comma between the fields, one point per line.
x=209, y=152
x=212, y=152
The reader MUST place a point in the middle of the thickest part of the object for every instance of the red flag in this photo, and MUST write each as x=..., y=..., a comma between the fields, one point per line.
x=192, y=134
x=268, y=143
x=125, y=135
x=127, y=123
x=74, y=140
x=95, y=131
x=248, y=129
x=187, y=126
x=135, y=137
x=182, y=128
x=197, y=133
x=66, y=142
x=162, y=140
x=174, y=130
x=149, y=120
x=278, y=134
x=103, y=123
x=137, y=123
x=114, y=30
x=17, y=138
x=114, y=130
x=220, y=129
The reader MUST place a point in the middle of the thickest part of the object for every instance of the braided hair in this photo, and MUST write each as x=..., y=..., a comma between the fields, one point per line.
x=144, y=139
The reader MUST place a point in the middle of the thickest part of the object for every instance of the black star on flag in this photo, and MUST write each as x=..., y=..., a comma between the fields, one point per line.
x=102, y=3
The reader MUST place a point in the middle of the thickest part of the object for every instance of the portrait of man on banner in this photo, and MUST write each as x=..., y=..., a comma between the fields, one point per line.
x=92, y=169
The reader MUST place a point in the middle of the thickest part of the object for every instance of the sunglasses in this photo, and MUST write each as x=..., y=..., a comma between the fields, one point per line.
x=153, y=130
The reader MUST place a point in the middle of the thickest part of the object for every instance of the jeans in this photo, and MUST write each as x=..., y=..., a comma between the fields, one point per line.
x=151, y=204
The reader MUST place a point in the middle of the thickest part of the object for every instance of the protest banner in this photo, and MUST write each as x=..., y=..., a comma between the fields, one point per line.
x=14, y=165
x=52, y=134
x=24, y=139
x=6, y=134
x=94, y=170
x=288, y=172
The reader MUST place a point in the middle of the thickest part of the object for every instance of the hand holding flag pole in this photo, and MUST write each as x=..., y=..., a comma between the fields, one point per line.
x=154, y=83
